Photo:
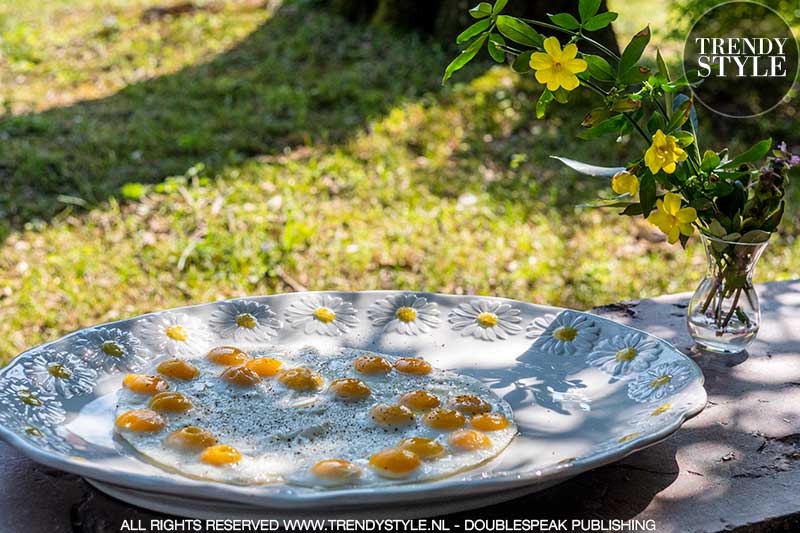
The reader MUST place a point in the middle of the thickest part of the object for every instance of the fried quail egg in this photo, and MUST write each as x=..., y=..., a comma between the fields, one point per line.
x=297, y=415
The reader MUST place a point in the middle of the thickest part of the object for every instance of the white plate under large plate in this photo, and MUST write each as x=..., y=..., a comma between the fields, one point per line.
x=585, y=390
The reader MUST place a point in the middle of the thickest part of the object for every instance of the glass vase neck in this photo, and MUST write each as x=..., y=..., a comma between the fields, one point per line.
x=741, y=257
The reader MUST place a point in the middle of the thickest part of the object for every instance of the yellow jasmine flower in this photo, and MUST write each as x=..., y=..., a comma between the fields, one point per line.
x=664, y=153
x=557, y=68
x=625, y=182
x=671, y=218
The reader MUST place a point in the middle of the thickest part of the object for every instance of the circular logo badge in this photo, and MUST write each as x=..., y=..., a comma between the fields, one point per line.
x=745, y=57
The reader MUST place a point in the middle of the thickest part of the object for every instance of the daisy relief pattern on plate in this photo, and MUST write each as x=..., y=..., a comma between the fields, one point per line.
x=111, y=349
x=652, y=416
x=60, y=372
x=659, y=382
x=623, y=355
x=24, y=403
x=39, y=435
x=176, y=334
x=324, y=314
x=407, y=314
x=563, y=334
x=486, y=320
x=245, y=321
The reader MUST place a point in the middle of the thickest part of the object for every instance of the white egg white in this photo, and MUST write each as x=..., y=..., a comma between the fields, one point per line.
x=282, y=433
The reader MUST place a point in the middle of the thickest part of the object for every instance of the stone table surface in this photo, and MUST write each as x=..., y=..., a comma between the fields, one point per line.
x=736, y=466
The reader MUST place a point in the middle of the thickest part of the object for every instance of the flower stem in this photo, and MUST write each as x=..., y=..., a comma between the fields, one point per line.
x=733, y=308
x=638, y=128
x=711, y=294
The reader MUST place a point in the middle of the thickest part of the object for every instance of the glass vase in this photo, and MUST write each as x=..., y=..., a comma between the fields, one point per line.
x=724, y=313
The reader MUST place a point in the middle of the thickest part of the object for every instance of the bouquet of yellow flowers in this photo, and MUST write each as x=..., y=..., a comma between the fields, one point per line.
x=674, y=185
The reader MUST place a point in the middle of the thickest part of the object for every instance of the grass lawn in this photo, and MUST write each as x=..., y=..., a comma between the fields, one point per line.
x=151, y=160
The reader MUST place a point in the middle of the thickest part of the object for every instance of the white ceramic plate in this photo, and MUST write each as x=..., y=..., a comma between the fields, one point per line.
x=585, y=390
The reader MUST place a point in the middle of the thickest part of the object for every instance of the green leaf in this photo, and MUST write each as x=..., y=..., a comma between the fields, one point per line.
x=662, y=66
x=632, y=210
x=518, y=31
x=589, y=170
x=684, y=138
x=755, y=235
x=499, y=5
x=565, y=20
x=598, y=22
x=599, y=68
x=595, y=117
x=473, y=30
x=702, y=204
x=656, y=123
x=664, y=71
x=625, y=105
x=561, y=95
x=716, y=229
x=751, y=155
x=635, y=75
x=482, y=10
x=588, y=8
x=771, y=224
x=710, y=161
x=463, y=58
x=523, y=62
x=610, y=125
x=680, y=115
x=543, y=102
x=495, y=51
x=647, y=194
x=633, y=52
x=693, y=127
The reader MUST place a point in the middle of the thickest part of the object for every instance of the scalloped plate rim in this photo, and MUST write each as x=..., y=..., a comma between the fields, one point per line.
x=402, y=493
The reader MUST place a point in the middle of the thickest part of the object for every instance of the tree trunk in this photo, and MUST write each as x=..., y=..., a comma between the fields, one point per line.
x=444, y=19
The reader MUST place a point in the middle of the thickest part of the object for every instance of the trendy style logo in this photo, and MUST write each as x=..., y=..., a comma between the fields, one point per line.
x=745, y=56
x=759, y=57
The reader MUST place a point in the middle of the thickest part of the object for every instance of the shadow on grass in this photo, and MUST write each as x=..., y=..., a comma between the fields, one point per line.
x=303, y=77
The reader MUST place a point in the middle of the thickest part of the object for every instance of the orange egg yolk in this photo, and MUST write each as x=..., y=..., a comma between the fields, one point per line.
x=350, y=389
x=394, y=462
x=241, y=376
x=142, y=420
x=412, y=365
x=424, y=448
x=301, y=379
x=191, y=438
x=266, y=367
x=336, y=470
x=489, y=422
x=371, y=365
x=172, y=402
x=444, y=419
x=468, y=439
x=469, y=404
x=177, y=369
x=145, y=384
x=391, y=415
x=220, y=454
x=227, y=355
x=419, y=399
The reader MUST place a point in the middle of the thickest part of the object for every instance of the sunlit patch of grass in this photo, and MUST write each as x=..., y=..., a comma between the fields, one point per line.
x=444, y=190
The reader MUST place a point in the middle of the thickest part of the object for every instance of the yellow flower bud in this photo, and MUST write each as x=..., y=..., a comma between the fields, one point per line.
x=625, y=183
